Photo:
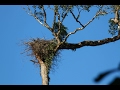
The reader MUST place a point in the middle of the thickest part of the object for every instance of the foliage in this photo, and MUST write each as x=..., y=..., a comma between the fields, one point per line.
x=113, y=28
x=63, y=30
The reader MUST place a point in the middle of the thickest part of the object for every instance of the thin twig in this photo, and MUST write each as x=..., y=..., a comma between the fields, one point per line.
x=76, y=19
x=54, y=20
x=44, y=14
x=59, y=24
x=65, y=14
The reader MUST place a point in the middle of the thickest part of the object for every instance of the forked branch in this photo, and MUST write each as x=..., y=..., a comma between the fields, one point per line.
x=83, y=26
x=76, y=18
x=63, y=17
x=44, y=12
x=45, y=23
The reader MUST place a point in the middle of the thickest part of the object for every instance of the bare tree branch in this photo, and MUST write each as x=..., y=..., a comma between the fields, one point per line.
x=83, y=26
x=99, y=12
x=56, y=13
x=65, y=14
x=44, y=14
x=78, y=12
x=88, y=43
x=45, y=24
x=54, y=20
x=76, y=18
x=92, y=19
x=59, y=24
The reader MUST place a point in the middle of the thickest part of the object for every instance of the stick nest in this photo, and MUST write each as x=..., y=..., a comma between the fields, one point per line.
x=44, y=49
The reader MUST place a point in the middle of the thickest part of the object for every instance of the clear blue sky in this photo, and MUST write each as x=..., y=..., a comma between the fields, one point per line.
x=74, y=68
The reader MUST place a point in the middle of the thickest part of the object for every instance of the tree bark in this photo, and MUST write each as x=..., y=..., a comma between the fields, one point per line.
x=43, y=72
x=88, y=43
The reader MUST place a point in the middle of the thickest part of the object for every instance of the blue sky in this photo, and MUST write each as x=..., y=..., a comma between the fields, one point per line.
x=74, y=68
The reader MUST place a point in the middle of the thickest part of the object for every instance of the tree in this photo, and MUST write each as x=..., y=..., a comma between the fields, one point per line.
x=46, y=51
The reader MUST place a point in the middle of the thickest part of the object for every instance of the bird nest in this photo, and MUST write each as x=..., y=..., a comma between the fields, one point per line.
x=44, y=49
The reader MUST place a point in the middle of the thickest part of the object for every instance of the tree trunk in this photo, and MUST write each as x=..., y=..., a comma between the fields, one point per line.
x=43, y=72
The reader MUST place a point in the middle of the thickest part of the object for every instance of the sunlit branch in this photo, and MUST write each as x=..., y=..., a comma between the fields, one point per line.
x=78, y=29
x=45, y=24
x=92, y=19
x=71, y=33
x=99, y=12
